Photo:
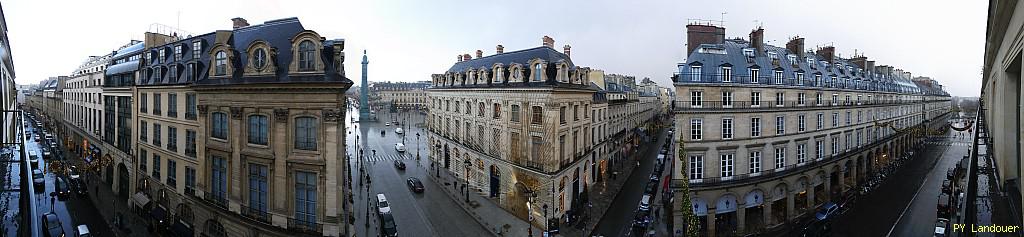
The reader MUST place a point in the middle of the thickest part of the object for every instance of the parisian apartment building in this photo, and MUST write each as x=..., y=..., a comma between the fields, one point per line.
x=771, y=133
x=232, y=131
x=401, y=95
x=530, y=126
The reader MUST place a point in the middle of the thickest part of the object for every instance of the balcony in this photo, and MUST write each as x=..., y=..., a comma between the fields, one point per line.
x=807, y=81
x=686, y=105
x=218, y=201
x=305, y=226
x=255, y=214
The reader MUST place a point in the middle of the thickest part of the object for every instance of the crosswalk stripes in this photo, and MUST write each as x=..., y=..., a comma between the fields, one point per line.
x=964, y=144
x=389, y=157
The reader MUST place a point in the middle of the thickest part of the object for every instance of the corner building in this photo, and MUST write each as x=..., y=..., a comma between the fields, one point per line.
x=770, y=133
x=240, y=134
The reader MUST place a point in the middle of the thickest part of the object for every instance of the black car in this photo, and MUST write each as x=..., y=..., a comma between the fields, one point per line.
x=399, y=164
x=60, y=185
x=415, y=185
x=79, y=187
x=388, y=227
x=52, y=225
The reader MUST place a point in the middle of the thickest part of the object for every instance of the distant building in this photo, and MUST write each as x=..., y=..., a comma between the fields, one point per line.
x=401, y=95
x=771, y=133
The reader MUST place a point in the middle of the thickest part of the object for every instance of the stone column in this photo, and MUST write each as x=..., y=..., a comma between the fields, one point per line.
x=741, y=219
x=767, y=213
x=235, y=166
x=279, y=170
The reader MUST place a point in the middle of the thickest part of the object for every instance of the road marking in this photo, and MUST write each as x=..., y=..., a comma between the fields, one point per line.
x=916, y=193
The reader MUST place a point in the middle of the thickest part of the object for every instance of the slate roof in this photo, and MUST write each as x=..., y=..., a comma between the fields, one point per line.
x=522, y=57
x=734, y=57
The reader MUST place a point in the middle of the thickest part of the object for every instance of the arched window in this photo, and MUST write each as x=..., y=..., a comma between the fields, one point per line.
x=214, y=229
x=258, y=129
x=259, y=58
x=305, y=133
x=537, y=72
x=221, y=63
x=306, y=56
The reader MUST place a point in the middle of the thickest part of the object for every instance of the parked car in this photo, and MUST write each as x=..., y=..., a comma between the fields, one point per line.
x=52, y=225
x=414, y=184
x=400, y=147
x=399, y=131
x=37, y=179
x=37, y=138
x=399, y=164
x=946, y=187
x=827, y=211
x=47, y=154
x=941, y=225
x=942, y=208
x=83, y=231
x=60, y=185
x=388, y=227
x=78, y=186
x=387, y=124
x=645, y=203
x=382, y=204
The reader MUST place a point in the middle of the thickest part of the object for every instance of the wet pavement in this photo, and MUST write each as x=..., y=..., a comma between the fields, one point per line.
x=431, y=213
x=618, y=219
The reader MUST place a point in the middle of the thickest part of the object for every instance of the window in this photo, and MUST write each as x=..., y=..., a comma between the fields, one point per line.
x=727, y=128
x=727, y=99
x=305, y=133
x=156, y=167
x=163, y=55
x=835, y=99
x=190, y=71
x=694, y=73
x=514, y=113
x=177, y=53
x=221, y=64
x=817, y=80
x=696, y=129
x=190, y=143
x=259, y=58
x=778, y=77
x=480, y=110
x=497, y=111
x=143, y=158
x=306, y=56
x=780, y=157
x=696, y=98
x=779, y=99
x=258, y=129
x=859, y=113
x=305, y=198
x=172, y=105
x=817, y=99
x=801, y=127
x=538, y=115
x=219, y=125
x=755, y=99
x=780, y=125
x=819, y=149
x=156, y=134
x=800, y=98
x=835, y=119
x=172, y=174
x=190, y=106
x=190, y=180
x=849, y=118
x=156, y=104
x=726, y=164
x=801, y=153
x=538, y=72
x=755, y=127
x=219, y=179
x=142, y=130
x=197, y=47
x=755, y=162
x=726, y=74
x=561, y=115
x=754, y=75
x=576, y=113
x=172, y=138
x=258, y=188
x=696, y=167
x=821, y=122
x=800, y=78
x=835, y=145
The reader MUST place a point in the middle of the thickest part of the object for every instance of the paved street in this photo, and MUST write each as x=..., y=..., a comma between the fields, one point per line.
x=430, y=213
x=618, y=219
x=908, y=198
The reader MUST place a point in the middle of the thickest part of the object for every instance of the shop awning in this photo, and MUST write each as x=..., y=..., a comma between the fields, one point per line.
x=140, y=199
x=180, y=229
x=158, y=213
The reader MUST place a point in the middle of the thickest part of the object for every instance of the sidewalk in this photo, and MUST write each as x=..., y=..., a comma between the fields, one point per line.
x=489, y=215
x=108, y=204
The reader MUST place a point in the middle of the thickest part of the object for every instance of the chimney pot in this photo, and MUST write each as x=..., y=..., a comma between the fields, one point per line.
x=548, y=42
x=757, y=39
x=238, y=22
x=466, y=57
x=697, y=34
x=499, y=49
x=459, y=57
x=479, y=53
x=565, y=49
x=796, y=46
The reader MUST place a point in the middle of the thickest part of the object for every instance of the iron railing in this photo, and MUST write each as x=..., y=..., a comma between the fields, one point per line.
x=305, y=226
x=256, y=214
x=767, y=77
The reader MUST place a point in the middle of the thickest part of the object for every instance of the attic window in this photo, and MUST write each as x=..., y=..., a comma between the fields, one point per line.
x=748, y=52
x=712, y=50
x=810, y=62
x=773, y=55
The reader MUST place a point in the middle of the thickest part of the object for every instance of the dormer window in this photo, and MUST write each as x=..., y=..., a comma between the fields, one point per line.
x=177, y=53
x=221, y=63
x=748, y=52
x=537, y=72
x=306, y=56
x=726, y=74
x=150, y=58
x=197, y=47
x=259, y=58
x=810, y=62
x=793, y=60
x=163, y=55
x=754, y=74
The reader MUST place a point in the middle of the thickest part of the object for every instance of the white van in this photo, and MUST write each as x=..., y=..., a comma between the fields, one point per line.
x=382, y=204
x=645, y=203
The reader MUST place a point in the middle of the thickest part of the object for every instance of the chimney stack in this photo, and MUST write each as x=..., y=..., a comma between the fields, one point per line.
x=869, y=66
x=757, y=40
x=796, y=45
x=827, y=52
x=499, y=49
x=860, y=61
x=466, y=57
x=459, y=57
x=565, y=49
x=238, y=22
x=697, y=35
x=479, y=53
x=548, y=42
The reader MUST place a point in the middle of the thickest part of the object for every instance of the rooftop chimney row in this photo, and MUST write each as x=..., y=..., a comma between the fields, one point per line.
x=499, y=49
x=238, y=22
x=548, y=42
x=565, y=49
x=757, y=40
x=796, y=45
x=697, y=35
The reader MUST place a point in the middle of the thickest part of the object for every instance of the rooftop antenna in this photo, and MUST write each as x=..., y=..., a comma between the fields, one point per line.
x=721, y=22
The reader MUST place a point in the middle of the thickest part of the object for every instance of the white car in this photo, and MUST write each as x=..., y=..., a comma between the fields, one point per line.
x=387, y=124
x=940, y=226
x=399, y=130
x=400, y=147
x=83, y=231
x=382, y=204
x=645, y=202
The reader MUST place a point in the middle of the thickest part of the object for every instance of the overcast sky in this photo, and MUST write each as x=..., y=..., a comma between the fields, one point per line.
x=409, y=40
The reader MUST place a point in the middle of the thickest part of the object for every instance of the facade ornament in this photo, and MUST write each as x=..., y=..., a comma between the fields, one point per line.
x=281, y=115
x=236, y=112
x=331, y=114
x=202, y=109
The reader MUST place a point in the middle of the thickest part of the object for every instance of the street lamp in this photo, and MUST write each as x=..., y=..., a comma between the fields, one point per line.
x=417, y=146
x=468, y=165
x=545, y=208
x=529, y=214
